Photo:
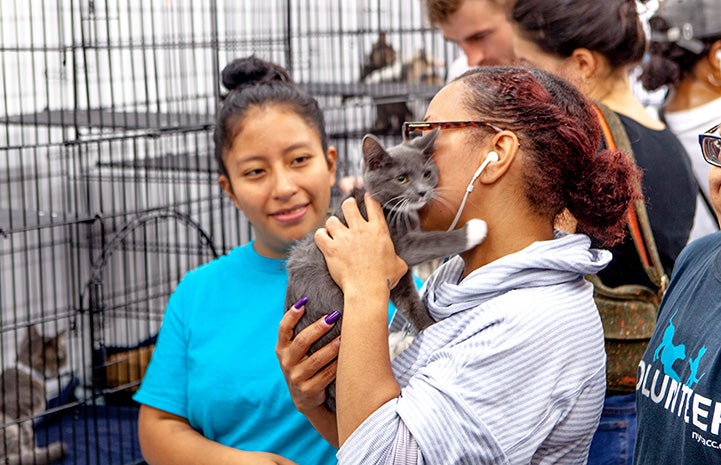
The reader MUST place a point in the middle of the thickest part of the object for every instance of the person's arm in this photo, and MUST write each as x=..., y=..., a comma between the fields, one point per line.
x=363, y=262
x=167, y=439
x=308, y=376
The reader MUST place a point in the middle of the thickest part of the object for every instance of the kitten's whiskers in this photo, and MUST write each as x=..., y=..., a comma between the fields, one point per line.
x=398, y=211
x=438, y=196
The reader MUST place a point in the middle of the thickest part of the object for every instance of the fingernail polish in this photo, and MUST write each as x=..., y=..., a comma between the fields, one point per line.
x=301, y=302
x=332, y=317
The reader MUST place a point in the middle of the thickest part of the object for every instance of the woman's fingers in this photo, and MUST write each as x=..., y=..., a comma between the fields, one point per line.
x=307, y=376
x=288, y=322
x=295, y=348
x=362, y=249
x=318, y=370
x=375, y=211
x=352, y=213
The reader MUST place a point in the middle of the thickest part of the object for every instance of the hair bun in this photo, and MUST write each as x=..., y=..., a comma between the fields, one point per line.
x=248, y=71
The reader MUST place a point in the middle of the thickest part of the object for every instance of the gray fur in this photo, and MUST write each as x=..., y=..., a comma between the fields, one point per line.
x=403, y=179
x=23, y=399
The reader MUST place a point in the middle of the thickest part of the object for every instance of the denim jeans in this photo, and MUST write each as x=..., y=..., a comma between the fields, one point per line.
x=615, y=437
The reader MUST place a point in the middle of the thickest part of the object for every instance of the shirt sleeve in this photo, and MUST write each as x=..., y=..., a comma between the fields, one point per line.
x=404, y=450
x=164, y=385
x=382, y=439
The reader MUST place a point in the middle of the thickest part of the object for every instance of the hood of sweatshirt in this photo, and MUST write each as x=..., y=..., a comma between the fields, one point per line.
x=566, y=258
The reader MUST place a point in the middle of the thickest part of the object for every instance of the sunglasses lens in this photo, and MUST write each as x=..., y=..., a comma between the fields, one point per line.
x=711, y=147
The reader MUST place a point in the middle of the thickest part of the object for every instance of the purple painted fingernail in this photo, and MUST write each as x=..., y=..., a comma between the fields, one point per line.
x=301, y=302
x=332, y=317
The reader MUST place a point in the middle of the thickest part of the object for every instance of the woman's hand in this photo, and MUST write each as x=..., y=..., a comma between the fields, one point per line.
x=363, y=262
x=307, y=376
x=360, y=255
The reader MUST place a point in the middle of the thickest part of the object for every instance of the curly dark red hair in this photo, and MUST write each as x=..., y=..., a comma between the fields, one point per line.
x=559, y=131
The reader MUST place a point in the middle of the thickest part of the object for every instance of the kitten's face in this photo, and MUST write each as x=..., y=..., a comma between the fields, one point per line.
x=402, y=178
x=45, y=354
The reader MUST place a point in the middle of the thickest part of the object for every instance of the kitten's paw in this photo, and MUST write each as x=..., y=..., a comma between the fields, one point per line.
x=398, y=342
x=55, y=451
x=476, y=231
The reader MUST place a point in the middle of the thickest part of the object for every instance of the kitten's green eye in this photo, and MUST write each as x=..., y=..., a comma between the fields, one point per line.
x=427, y=175
x=402, y=179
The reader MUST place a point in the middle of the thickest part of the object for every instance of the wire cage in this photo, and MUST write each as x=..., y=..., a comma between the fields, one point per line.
x=108, y=188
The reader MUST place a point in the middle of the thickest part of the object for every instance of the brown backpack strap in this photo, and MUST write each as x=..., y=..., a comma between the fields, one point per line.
x=616, y=138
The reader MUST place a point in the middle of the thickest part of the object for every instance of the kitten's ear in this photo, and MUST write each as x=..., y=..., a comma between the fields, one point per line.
x=33, y=332
x=425, y=142
x=374, y=155
x=33, y=338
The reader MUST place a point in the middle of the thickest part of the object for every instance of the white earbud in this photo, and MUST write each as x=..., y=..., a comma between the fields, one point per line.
x=717, y=55
x=490, y=158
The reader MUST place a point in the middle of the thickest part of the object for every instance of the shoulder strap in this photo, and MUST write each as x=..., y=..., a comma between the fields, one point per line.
x=616, y=138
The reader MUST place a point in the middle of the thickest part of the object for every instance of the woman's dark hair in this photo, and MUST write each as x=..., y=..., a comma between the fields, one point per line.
x=668, y=63
x=609, y=27
x=252, y=82
x=559, y=131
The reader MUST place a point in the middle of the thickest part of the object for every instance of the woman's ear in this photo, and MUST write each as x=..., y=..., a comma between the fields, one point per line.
x=228, y=188
x=331, y=157
x=714, y=56
x=585, y=62
x=505, y=146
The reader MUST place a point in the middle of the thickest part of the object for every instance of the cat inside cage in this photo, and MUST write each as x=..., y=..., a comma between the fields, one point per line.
x=23, y=399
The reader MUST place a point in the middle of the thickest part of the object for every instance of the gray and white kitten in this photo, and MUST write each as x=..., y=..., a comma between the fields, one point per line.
x=23, y=397
x=402, y=179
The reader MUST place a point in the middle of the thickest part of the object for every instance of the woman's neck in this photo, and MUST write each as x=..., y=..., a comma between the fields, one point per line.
x=692, y=92
x=507, y=235
x=615, y=92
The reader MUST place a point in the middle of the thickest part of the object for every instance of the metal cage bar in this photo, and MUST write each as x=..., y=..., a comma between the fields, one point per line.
x=108, y=187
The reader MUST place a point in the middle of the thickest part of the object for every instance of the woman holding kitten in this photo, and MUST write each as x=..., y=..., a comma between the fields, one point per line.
x=213, y=392
x=513, y=370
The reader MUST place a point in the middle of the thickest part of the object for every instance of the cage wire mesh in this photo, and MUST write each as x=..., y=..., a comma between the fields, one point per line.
x=108, y=187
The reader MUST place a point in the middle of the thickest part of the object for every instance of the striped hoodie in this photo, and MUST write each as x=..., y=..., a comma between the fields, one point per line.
x=513, y=372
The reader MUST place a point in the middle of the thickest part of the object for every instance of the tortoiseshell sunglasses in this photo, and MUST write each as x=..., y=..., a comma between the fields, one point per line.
x=415, y=128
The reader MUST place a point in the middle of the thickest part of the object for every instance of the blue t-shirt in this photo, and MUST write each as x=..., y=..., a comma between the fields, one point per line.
x=678, y=393
x=215, y=365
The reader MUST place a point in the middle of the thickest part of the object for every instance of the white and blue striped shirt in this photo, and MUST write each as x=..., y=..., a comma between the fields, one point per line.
x=513, y=372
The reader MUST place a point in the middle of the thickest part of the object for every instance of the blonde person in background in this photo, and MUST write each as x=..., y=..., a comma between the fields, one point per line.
x=479, y=28
x=685, y=56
